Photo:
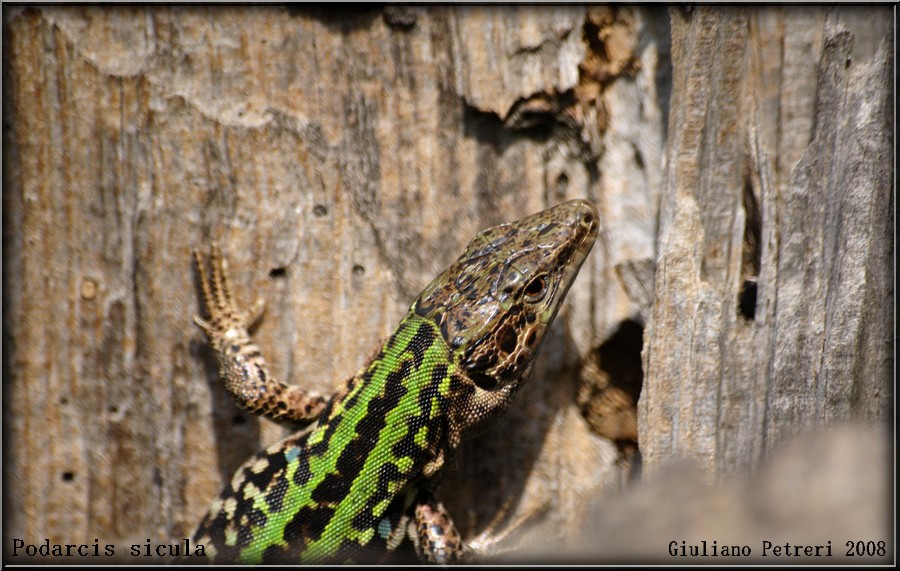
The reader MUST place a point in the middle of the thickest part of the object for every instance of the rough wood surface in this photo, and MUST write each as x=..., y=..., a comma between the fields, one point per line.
x=342, y=159
x=774, y=279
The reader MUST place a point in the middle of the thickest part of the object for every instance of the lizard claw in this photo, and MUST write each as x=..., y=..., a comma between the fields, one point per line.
x=256, y=312
x=203, y=324
x=486, y=544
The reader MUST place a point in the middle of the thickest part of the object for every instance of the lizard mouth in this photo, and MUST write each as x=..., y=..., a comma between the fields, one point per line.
x=581, y=217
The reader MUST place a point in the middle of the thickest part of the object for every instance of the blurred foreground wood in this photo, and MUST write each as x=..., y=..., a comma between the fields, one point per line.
x=831, y=489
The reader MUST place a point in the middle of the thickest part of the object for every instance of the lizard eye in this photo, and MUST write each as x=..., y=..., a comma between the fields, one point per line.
x=535, y=290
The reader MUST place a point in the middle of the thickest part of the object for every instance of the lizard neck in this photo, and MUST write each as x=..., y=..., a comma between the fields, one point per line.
x=397, y=405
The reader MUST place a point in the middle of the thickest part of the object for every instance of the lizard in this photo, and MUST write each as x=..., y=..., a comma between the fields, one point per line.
x=360, y=479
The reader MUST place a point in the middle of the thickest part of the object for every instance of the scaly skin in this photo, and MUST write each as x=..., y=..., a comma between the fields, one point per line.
x=357, y=483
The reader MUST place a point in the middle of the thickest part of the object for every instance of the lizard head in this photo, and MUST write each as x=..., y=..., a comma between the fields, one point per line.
x=496, y=302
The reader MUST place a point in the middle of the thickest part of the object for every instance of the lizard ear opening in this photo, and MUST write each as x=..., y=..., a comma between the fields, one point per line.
x=483, y=380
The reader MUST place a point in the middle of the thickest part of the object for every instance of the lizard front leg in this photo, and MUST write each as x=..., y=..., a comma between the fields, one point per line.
x=242, y=367
x=435, y=536
x=437, y=540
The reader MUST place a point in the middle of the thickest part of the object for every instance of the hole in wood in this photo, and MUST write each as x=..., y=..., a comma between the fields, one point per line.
x=611, y=382
x=751, y=256
x=747, y=299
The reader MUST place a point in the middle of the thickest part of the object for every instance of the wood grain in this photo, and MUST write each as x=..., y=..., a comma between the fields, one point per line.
x=342, y=159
